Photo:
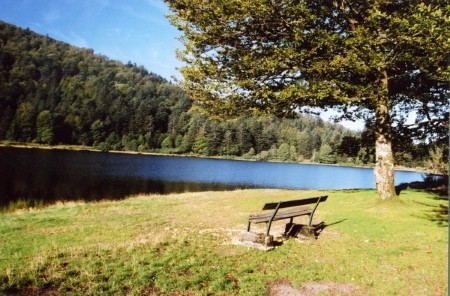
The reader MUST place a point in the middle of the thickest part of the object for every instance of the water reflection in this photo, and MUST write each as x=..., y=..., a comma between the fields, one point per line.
x=49, y=189
x=44, y=177
x=54, y=175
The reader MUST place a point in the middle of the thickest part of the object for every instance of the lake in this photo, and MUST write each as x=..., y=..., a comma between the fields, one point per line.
x=39, y=175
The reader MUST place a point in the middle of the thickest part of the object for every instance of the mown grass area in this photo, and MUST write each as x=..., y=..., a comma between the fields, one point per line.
x=183, y=245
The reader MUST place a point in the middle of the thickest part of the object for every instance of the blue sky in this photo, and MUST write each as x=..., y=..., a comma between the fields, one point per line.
x=131, y=30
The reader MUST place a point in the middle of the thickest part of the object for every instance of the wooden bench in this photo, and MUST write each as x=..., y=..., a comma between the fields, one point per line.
x=298, y=208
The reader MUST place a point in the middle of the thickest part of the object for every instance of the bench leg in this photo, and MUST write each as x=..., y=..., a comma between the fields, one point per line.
x=288, y=226
x=271, y=219
x=268, y=227
x=310, y=220
x=248, y=226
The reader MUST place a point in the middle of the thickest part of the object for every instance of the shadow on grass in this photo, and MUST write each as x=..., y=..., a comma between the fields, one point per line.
x=439, y=215
x=438, y=185
x=296, y=230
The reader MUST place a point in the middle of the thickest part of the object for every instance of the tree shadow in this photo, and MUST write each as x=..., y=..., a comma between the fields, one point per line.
x=297, y=230
x=439, y=215
x=438, y=185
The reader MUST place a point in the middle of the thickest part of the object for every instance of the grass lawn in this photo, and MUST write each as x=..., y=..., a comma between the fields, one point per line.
x=183, y=245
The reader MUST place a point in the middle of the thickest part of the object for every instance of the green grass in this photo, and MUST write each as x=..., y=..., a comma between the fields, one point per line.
x=182, y=245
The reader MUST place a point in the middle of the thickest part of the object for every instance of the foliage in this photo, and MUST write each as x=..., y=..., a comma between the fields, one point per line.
x=182, y=245
x=326, y=154
x=44, y=127
x=274, y=57
x=436, y=162
x=380, y=59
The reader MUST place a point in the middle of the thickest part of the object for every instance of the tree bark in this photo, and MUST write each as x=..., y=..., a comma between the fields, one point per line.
x=384, y=158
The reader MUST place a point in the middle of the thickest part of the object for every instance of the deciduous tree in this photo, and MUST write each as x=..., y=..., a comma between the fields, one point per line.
x=387, y=58
x=44, y=127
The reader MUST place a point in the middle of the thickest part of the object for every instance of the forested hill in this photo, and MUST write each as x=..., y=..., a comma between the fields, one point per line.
x=54, y=93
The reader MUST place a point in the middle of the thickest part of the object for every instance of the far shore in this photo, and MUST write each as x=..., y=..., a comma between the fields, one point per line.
x=93, y=149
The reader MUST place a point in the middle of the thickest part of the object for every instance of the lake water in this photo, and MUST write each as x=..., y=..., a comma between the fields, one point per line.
x=52, y=175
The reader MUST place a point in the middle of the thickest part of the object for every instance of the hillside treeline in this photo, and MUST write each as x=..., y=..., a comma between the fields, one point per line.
x=54, y=93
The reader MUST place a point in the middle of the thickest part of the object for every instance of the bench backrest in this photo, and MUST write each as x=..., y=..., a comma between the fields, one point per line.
x=294, y=203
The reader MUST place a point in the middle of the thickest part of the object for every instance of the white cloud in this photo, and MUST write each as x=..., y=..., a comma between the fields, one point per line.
x=357, y=125
x=353, y=125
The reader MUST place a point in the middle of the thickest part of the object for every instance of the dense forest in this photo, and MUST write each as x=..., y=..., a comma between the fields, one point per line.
x=54, y=93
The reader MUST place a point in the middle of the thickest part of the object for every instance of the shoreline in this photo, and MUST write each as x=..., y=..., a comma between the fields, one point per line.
x=92, y=149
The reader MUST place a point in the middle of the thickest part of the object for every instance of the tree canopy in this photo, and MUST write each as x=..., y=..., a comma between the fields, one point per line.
x=379, y=59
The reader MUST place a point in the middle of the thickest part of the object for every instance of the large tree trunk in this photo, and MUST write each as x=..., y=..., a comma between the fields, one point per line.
x=384, y=167
x=384, y=158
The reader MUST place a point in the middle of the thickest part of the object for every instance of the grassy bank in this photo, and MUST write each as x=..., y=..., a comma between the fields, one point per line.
x=183, y=245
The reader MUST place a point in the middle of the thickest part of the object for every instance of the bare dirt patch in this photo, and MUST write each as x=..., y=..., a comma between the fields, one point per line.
x=284, y=288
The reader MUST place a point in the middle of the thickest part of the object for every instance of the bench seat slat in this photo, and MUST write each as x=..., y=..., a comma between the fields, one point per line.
x=294, y=203
x=265, y=217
